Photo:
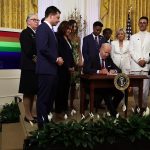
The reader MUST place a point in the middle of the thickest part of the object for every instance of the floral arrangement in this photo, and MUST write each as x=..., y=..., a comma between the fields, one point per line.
x=93, y=130
x=82, y=24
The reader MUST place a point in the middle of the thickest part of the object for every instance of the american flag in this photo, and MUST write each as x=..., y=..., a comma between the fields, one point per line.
x=128, y=28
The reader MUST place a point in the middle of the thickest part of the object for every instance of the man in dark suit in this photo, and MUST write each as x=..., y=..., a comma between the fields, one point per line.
x=107, y=32
x=90, y=48
x=47, y=63
x=92, y=43
x=103, y=64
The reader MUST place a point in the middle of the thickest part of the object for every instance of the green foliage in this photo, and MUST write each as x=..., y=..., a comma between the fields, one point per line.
x=89, y=132
x=10, y=113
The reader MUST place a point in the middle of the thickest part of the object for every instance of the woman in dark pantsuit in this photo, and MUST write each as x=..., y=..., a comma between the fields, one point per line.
x=28, y=78
x=64, y=71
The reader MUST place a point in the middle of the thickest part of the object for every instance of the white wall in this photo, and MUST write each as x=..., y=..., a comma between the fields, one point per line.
x=89, y=9
x=9, y=84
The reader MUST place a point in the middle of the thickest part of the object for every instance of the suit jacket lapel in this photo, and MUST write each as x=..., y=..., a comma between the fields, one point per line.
x=99, y=39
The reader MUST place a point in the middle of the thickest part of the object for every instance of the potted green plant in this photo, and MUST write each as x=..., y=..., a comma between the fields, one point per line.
x=93, y=133
x=10, y=113
x=10, y=121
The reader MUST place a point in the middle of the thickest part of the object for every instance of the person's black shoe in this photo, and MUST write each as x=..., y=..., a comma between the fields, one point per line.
x=35, y=118
x=27, y=120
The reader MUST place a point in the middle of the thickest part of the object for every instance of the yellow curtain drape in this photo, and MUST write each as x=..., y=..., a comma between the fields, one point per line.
x=114, y=13
x=13, y=13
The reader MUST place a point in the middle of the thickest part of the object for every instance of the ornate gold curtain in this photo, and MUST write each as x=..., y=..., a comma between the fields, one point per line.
x=13, y=13
x=114, y=13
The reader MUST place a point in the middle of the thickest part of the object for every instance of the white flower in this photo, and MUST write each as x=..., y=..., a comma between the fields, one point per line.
x=117, y=115
x=144, y=113
x=124, y=107
x=43, y=118
x=108, y=114
x=138, y=110
x=37, y=135
x=104, y=114
x=98, y=116
x=91, y=115
x=50, y=116
x=73, y=112
x=83, y=117
x=31, y=123
x=65, y=116
x=115, y=121
x=147, y=111
x=132, y=109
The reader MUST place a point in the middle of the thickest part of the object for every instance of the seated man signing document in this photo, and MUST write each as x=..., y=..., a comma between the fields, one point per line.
x=101, y=64
x=104, y=65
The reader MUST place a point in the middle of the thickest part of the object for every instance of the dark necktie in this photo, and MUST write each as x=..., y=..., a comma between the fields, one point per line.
x=54, y=33
x=96, y=40
x=103, y=64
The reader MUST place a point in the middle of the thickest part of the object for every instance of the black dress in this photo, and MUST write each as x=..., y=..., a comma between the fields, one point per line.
x=28, y=78
x=64, y=76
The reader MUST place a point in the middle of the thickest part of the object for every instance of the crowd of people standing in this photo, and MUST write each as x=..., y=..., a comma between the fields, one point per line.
x=51, y=63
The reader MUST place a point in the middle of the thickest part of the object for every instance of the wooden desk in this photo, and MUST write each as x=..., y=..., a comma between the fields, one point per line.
x=107, y=81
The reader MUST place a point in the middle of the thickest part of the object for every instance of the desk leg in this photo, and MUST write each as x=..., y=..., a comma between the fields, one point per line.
x=126, y=101
x=82, y=98
x=140, y=98
x=91, y=98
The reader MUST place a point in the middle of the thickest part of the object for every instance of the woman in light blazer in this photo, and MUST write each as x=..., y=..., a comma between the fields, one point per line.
x=120, y=51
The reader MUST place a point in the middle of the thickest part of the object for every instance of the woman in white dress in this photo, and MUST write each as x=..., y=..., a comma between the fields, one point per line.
x=120, y=51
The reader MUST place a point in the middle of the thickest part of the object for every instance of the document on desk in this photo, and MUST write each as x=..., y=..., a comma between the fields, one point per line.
x=112, y=72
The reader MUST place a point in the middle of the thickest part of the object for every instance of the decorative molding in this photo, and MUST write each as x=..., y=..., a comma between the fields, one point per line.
x=10, y=29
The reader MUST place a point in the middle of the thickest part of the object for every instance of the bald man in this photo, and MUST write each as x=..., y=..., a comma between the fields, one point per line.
x=104, y=65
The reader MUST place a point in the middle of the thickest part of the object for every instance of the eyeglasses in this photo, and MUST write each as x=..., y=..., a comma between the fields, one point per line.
x=35, y=20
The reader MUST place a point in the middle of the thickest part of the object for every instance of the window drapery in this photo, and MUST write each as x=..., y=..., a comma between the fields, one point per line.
x=13, y=13
x=114, y=13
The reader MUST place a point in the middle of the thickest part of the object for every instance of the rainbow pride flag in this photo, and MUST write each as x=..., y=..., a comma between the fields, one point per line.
x=9, y=50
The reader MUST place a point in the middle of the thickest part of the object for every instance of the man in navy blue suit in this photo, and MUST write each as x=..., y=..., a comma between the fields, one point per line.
x=90, y=48
x=92, y=43
x=47, y=64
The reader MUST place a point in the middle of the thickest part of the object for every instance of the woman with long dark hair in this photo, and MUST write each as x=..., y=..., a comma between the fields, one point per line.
x=64, y=71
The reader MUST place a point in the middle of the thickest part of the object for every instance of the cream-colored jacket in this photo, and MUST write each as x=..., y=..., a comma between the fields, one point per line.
x=139, y=50
x=121, y=57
